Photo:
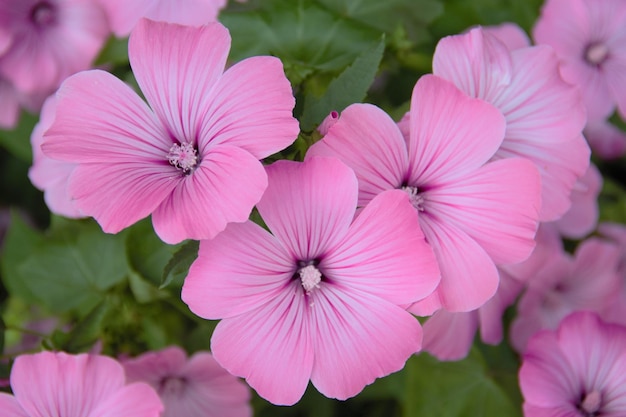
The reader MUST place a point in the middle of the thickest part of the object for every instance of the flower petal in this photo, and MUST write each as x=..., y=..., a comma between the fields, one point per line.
x=358, y=338
x=239, y=270
x=176, y=68
x=449, y=336
x=10, y=406
x=270, y=347
x=308, y=206
x=137, y=400
x=369, y=142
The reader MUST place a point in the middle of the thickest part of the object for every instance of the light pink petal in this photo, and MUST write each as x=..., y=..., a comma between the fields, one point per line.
x=369, y=142
x=567, y=35
x=123, y=15
x=251, y=107
x=497, y=206
x=510, y=34
x=49, y=383
x=239, y=270
x=10, y=407
x=118, y=195
x=449, y=336
x=176, y=68
x=477, y=64
x=186, y=12
x=151, y=367
x=468, y=275
x=614, y=70
x=605, y=140
x=9, y=105
x=101, y=119
x=428, y=306
x=491, y=314
x=595, y=89
x=270, y=347
x=137, y=400
x=328, y=122
x=451, y=134
x=582, y=217
x=563, y=410
x=308, y=206
x=223, y=188
x=358, y=338
x=384, y=253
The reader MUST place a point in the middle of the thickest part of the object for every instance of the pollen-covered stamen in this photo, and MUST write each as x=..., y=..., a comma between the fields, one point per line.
x=183, y=157
x=310, y=277
x=596, y=53
x=415, y=197
x=591, y=403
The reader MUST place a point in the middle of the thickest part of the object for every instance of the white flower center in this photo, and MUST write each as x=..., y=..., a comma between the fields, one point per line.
x=415, y=197
x=591, y=403
x=183, y=157
x=596, y=53
x=310, y=277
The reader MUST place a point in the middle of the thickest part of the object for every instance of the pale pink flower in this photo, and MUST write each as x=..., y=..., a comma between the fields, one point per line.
x=9, y=105
x=322, y=297
x=50, y=175
x=509, y=34
x=544, y=115
x=194, y=387
x=616, y=233
x=191, y=159
x=606, y=141
x=47, y=40
x=57, y=384
x=578, y=370
x=474, y=215
x=588, y=280
x=123, y=14
x=589, y=37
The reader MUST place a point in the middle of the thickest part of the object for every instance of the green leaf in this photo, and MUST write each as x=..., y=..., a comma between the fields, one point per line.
x=300, y=32
x=612, y=202
x=17, y=141
x=349, y=87
x=85, y=333
x=178, y=266
x=115, y=52
x=3, y=328
x=143, y=291
x=147, y=254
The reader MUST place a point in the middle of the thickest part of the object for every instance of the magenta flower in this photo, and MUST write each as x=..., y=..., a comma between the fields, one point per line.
x=58, y=384
x=579, y=370
x=474, y=215
x=320, y=298
x=47, y=40
x=124, y=15
x=588, y=37
x=544, y=115
x=194, y=387
x=193, y=159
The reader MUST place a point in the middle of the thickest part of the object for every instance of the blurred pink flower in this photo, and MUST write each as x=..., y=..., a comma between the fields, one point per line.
x=50, y=175
x=544, y=115
x=589, y=280
x=589, y=37
x=124, y=15
x=578, y=370
x=191, y=159
x=606, y=141
x=509, y=34
x=194, y=387
x=320, y=298
x=474, y=214
x=45, y=41
x=59, y=384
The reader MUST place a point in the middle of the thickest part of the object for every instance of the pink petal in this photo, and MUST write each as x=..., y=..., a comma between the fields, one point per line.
x=223, y=188
x=101, y=119
x=468, y=276
x=122, y=15
x=605, y=140
x=384, y=253
x=451, y=134
x=239, y=270
x=358, y=338
x=137, y=400
x=496, y=205
x=118, y=195
x=176, y=68
x=270, y=346
x=251, y=107
x=10, y=407
x=510, y=34
x=151, y=367
x=9, y=105
x=368, y=141
x=186, y=12
x=309, y=206
x=491, y=314
x=449, y=336
x=563, y=410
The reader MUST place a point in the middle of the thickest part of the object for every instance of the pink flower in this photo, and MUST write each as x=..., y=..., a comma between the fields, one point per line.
x=606, y=141
x=579, y=370
x=587, y=281
x=474, y=215
x=58, y=384
x=588, y=37
x=50, y=175
x=509, y=34
x=322, y=297
x=124, y=15
x=544, y=115
x=47, y=40
x=192, y=159
x=195, y=387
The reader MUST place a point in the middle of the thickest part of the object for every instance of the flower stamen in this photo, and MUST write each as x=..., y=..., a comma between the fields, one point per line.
x=591, y=403
x=310, y=277
x=596, y=53
x=415, y=197
x=183, y=157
